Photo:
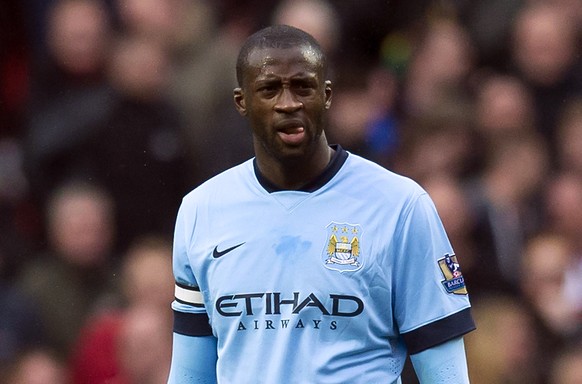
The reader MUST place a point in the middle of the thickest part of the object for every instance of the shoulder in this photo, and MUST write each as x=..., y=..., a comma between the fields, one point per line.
x=372, y=178
x=225, y=183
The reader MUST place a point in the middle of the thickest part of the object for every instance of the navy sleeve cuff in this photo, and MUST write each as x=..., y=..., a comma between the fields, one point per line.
x=192, y=324
x=439, y=331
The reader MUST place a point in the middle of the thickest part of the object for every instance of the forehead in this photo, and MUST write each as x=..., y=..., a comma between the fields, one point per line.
x=279, y=61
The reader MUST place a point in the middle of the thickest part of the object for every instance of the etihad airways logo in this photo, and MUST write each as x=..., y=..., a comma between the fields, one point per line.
x=247, y=305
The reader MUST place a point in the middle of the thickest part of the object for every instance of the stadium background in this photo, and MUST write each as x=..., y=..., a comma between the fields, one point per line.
x=111, y=110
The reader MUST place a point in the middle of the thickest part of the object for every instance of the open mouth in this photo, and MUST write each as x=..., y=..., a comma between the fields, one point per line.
x=292, y=136
x=291, y=133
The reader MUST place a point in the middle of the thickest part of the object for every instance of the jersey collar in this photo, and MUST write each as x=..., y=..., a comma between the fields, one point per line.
x=338, y=159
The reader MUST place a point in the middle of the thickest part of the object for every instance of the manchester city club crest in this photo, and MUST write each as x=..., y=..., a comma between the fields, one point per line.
x=454, y=281
x=342, y=252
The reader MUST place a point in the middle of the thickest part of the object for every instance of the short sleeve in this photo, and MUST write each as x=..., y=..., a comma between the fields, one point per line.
x=431, y=303
x=190, y=316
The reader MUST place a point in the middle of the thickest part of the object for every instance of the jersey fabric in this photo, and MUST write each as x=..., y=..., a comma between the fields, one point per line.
x=333, y=283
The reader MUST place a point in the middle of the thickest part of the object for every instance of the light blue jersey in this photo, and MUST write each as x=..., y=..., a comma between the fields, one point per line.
x=332, y=284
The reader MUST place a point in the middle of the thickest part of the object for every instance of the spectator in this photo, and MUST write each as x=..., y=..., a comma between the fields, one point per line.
x=319, y=18
x=138, y=150
x=505, y=348
x=77, y=38
x=69, y=93
x=364, y=119
x=563, y=205
x=35, y=366
x=440, y=142
x=506, y=197
x=111, y=347
x=546, y=55
x=67, y=282
x=489, y=24
x=440, y=65
x=504, y=108
x=544, y=49
x=145, y=269
x=201, y=89
x=544, y=265
x=145, y=346
x=149, y=19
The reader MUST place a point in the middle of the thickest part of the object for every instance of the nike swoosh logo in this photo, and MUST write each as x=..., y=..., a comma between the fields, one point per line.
x=216, y=253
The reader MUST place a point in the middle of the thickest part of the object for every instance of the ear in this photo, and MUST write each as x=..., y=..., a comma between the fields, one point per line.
x=328, y=94
x=239, y=101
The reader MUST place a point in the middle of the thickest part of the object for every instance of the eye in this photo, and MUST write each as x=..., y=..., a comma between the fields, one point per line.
x=303, y=87
x=267, y=90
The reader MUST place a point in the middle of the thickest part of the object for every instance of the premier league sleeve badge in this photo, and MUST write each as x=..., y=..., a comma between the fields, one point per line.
x=454, y=281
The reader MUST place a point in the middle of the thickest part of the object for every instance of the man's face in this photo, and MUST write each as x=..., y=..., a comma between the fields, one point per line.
x=285, y=98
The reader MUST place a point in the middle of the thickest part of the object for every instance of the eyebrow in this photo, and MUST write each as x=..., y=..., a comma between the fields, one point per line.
x=297, y=76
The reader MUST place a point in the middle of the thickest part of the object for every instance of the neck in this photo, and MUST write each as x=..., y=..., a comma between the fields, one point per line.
x=294, y=173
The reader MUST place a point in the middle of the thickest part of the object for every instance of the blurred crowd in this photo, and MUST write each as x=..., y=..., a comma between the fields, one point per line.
x=112, y=110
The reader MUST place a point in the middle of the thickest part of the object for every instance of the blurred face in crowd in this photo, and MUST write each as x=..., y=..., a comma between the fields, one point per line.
x=81, y=227
x=544, y=43
x=504, y=107
x=78, y=35
x=522, y=164
x=148, y=275
x=447, y=52
x=145, y=345
x=564, y=205
x=545, y=261
x=543, y=265
x=442, y=61
x=452, y=205
x=153, y=19
x=316, y=17
x=139, y=68
x=37, y=367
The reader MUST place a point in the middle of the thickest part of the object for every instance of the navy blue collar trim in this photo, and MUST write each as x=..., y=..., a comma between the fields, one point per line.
x=336, y=162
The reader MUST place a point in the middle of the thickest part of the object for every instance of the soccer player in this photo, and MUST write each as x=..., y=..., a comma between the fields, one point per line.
x=309, y=264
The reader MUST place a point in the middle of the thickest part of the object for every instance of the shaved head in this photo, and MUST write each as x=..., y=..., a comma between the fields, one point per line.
x=282, y=37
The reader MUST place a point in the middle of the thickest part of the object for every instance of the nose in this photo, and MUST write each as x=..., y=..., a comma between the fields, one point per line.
x=287, y=102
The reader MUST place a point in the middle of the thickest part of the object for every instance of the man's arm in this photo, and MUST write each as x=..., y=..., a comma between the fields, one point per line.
x=193, y=360
x=443, y=364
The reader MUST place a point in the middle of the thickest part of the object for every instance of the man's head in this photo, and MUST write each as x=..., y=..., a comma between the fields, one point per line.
x=283, y=93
